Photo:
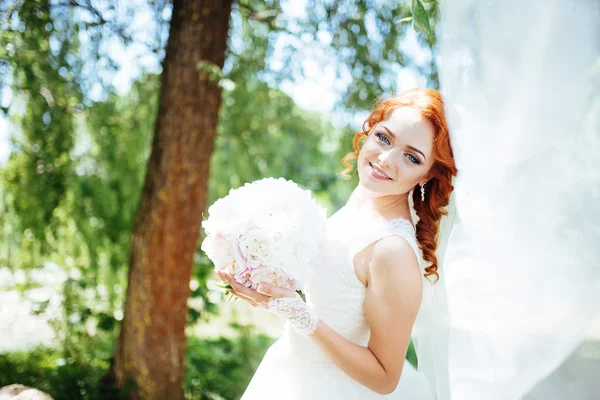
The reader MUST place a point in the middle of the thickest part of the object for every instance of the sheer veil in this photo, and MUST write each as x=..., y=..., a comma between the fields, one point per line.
x=520, y=248
x=431, y=330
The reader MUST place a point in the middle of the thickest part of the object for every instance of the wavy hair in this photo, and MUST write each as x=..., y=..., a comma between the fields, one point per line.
x=439, y=187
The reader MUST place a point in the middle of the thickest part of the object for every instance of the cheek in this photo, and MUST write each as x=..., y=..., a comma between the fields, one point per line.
x=411, y=175
x=364, y=152
x=368, y=148
x=418, y=177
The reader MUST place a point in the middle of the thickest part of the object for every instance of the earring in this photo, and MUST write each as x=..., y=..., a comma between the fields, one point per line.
x=423, y=192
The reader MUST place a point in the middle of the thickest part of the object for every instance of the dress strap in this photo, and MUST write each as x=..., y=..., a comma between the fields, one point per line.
x=371, y=230
x=364, y=230
x=403, y=228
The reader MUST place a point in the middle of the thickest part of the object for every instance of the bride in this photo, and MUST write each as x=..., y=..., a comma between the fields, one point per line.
x=517, y=256
x=349, y=340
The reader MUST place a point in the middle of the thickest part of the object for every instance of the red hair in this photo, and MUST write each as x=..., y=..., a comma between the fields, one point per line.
x=430, y=104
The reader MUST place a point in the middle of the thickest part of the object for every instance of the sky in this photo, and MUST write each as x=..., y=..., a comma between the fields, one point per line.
x=315, y=91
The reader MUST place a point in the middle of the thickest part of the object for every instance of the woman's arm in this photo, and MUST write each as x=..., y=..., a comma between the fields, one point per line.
x=391, y=305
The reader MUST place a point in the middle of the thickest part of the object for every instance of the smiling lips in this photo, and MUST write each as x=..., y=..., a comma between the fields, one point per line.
x=379, y=174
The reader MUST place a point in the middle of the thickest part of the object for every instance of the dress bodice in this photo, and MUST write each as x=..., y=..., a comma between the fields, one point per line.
x=335, y=292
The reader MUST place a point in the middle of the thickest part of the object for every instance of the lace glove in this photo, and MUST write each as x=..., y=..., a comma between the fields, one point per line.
x=295, y=310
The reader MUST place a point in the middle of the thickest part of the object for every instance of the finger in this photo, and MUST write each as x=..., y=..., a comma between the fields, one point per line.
x=275, y=292
x=241, y=295
x=231, y=289
x=237, y=296
x=249, y=300
x=247, y=293
x=220, y=276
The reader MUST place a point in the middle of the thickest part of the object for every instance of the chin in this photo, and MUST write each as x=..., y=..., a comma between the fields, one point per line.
x=373, y=186
x=376, y=187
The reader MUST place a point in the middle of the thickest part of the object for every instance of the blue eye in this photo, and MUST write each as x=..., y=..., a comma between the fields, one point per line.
x=413, y=159
x=383, y=138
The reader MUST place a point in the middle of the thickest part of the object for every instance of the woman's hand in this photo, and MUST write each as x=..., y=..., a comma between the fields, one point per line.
x=280, y=301
x=256, y=298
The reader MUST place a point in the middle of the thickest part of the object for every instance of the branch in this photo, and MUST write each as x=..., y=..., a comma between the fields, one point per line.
x=87, y=7
x=119, y=29
x=267, y=17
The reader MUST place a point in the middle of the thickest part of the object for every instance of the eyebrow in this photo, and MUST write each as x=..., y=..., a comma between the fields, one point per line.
x=393, y=135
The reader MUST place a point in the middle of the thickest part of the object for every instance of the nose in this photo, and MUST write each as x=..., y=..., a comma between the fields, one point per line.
x=385, y=158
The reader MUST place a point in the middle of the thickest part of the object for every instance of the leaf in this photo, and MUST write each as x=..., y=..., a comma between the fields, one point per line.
x=227, y=286
x=106, y=322
x=194, y=315
x=210, y=71
x=420, y=16
x=232, y=298
x=405, y=19
x=265, y=14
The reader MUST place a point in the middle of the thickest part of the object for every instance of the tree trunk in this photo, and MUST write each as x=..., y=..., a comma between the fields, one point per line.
x=151, y=347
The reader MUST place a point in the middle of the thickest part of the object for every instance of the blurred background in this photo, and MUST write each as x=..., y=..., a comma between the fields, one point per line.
x=80, y=97
x=93, y=131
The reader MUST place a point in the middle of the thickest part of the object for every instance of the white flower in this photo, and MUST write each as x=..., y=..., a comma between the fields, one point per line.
x=219, y=250
x=255, y=246
x=272, y=277
x=268, y=231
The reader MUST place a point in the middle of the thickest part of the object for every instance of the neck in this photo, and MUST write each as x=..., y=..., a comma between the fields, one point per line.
x=387, y=206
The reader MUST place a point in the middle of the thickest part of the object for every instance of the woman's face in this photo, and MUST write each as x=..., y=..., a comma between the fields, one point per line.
x=397, y=154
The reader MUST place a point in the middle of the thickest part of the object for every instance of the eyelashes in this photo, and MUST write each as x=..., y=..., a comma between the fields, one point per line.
x=413, y=159
x=384, y=139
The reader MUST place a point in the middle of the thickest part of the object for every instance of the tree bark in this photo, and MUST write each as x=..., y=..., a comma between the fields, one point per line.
x=150, y=350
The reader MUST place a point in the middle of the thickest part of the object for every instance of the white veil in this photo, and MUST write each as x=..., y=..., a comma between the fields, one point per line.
x=431, y=329
x=521, y=269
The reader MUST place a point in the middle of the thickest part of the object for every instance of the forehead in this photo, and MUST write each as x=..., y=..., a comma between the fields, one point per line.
x=410, y=128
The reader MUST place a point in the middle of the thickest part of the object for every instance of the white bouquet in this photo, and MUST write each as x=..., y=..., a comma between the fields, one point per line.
x=267, y=231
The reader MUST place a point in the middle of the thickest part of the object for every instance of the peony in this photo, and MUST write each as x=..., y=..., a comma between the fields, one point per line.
x=220, y=251
x=255, y=245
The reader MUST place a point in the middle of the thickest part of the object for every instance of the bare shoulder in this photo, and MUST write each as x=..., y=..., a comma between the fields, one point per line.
x=396, y=253
x=394, y=247
x=394, y=262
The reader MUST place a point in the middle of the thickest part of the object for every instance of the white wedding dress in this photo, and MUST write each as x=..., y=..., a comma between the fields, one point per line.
x=519, y=262
x=294, y=367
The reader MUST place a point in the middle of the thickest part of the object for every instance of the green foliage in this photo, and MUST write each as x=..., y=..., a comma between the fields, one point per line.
x=218, y=368
x=221, y=368
x=109, y=177
x=46, y=130
x=364, y=38
x=411, y=354
x=201, y=307
x=72, y=184
x=262, y=133
x=94, y=220
x=71, y=188
x=210, y=71
x=46, y=369
x=420, y=17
